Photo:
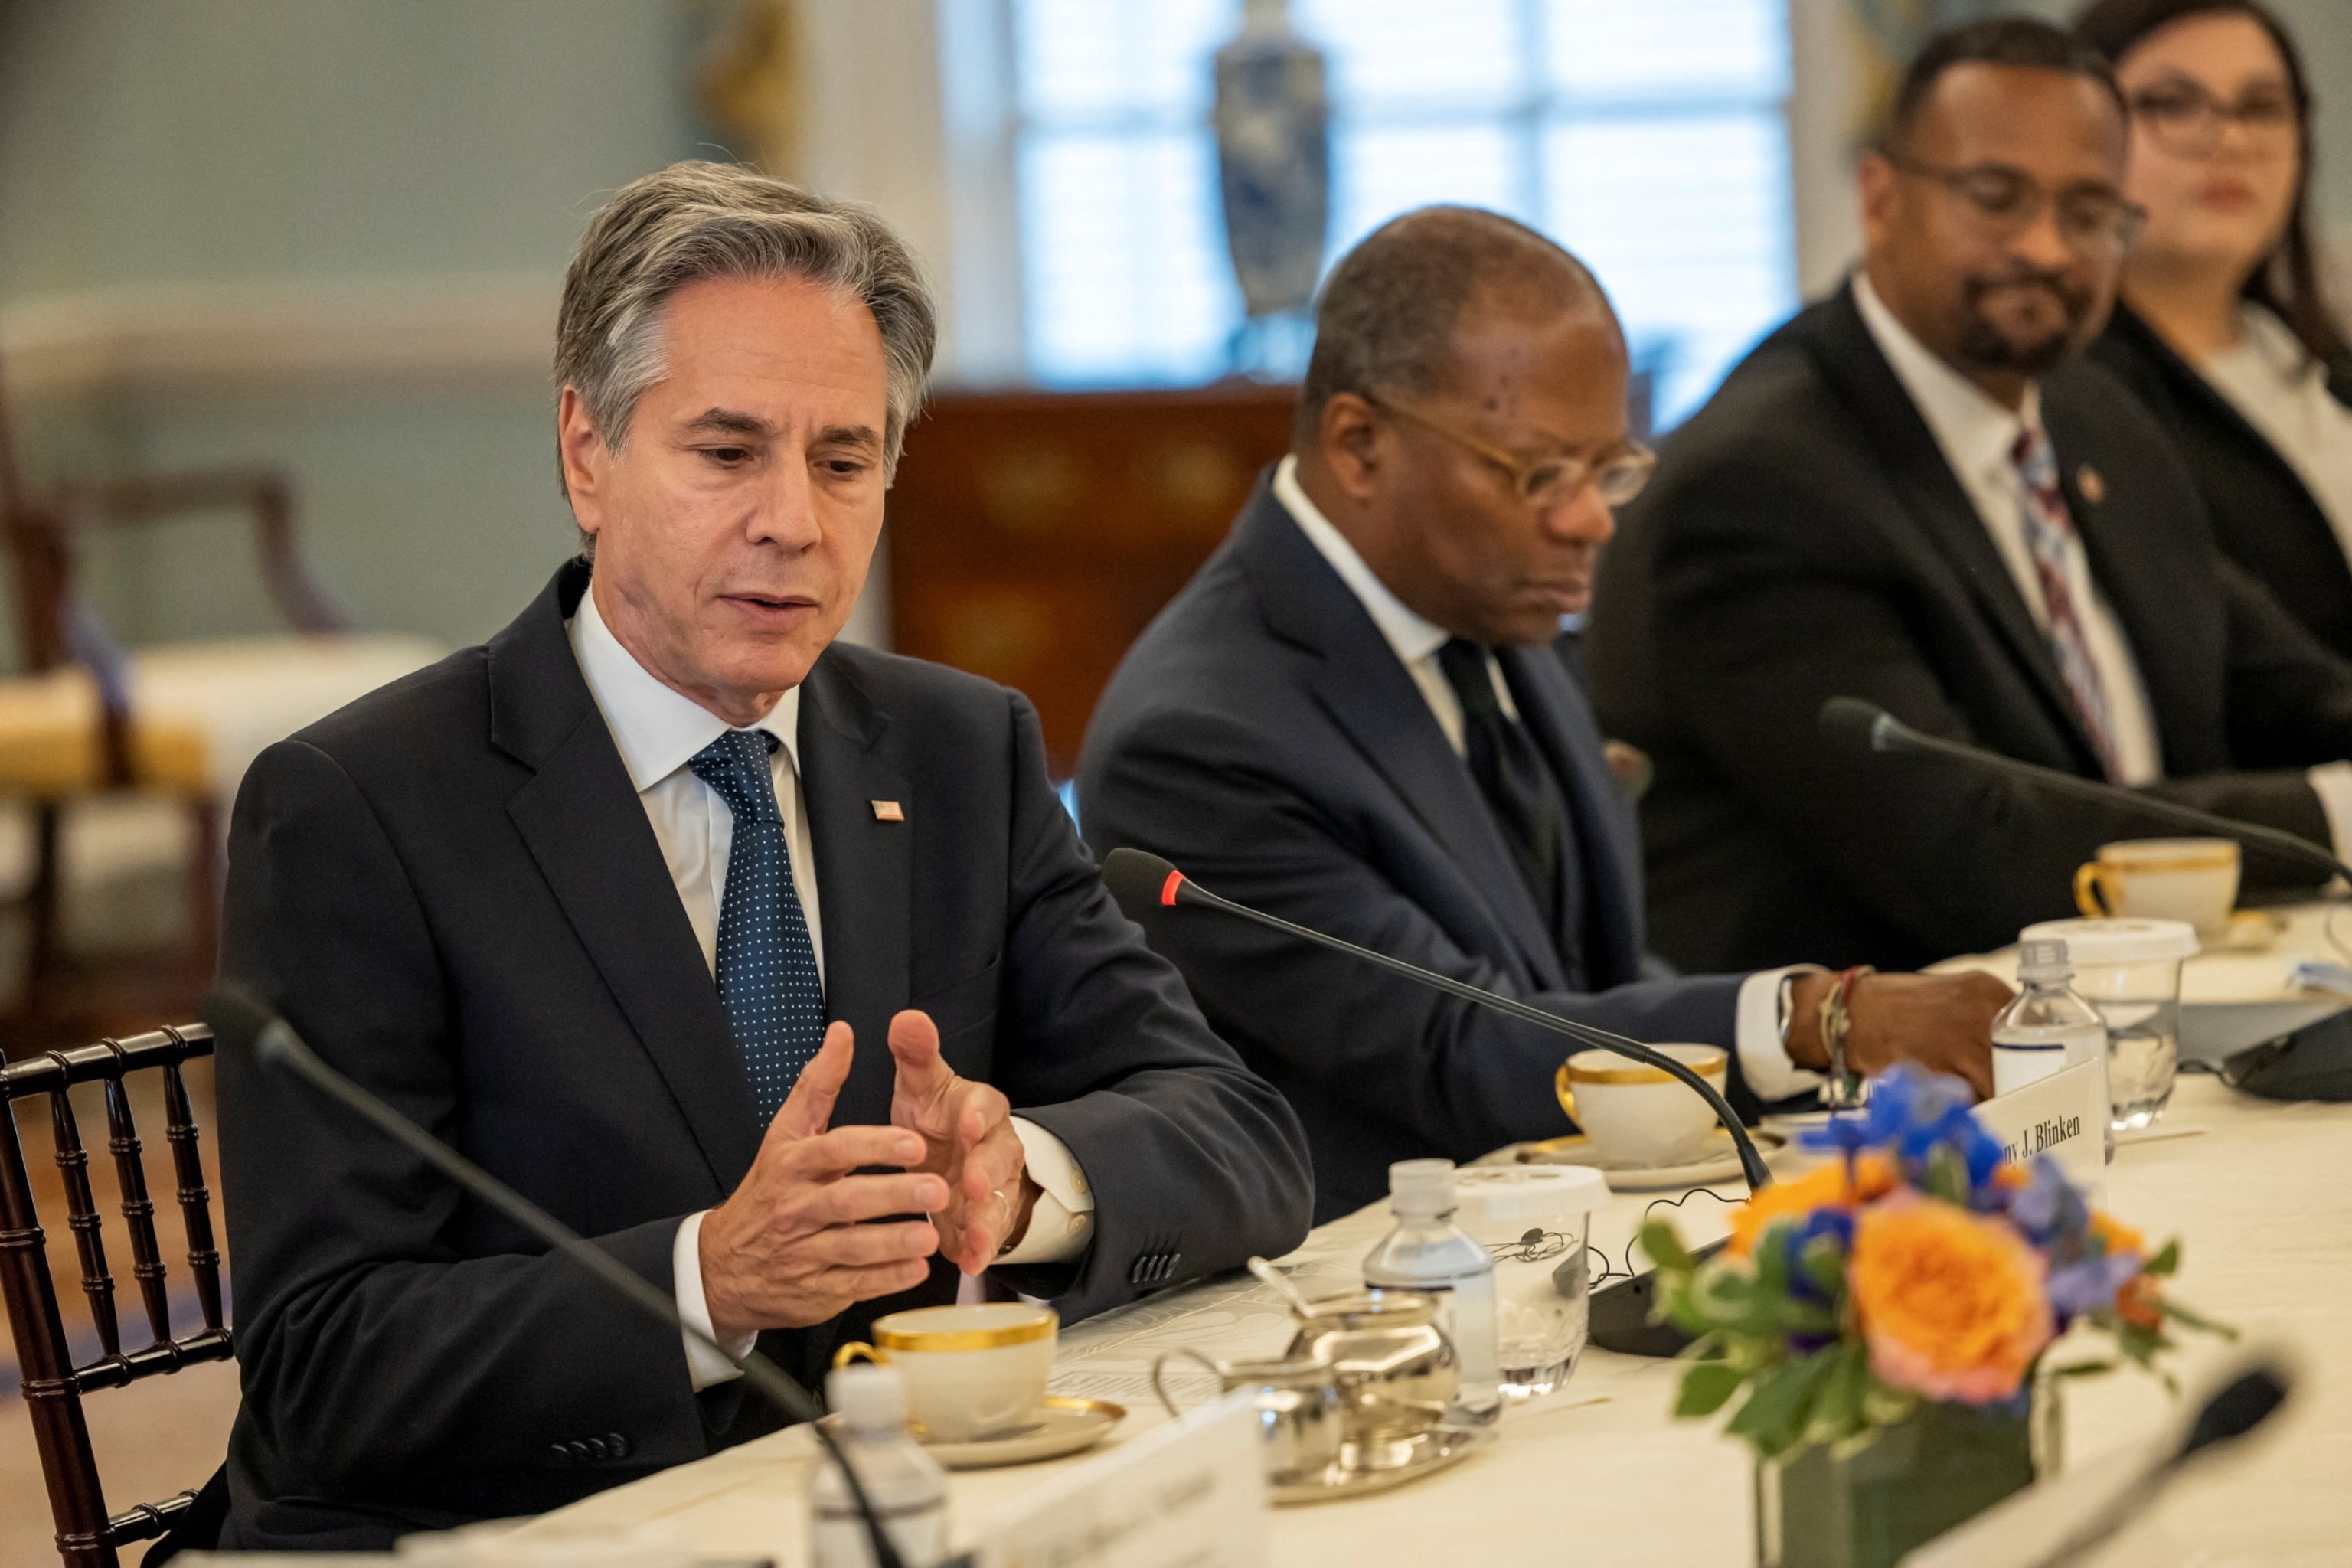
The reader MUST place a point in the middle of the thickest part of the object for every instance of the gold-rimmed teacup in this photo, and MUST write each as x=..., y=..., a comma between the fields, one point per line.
x=2192, y=879
x=970, y=1371
x=1638, y=1116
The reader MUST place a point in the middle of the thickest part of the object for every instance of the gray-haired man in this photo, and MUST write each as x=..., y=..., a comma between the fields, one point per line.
x=724, y=943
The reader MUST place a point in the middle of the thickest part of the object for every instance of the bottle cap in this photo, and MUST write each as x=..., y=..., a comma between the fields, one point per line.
x=1421, y=1187
x=2044, y=961
x=869, y=1399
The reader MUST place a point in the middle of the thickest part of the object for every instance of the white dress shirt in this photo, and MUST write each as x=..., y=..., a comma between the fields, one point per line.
x=1976, y=435
x=1763, y=1054
x=657, y=731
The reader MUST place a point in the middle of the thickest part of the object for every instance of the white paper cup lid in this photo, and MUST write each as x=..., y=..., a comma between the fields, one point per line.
x=1526, y=1194
x=2116, y=941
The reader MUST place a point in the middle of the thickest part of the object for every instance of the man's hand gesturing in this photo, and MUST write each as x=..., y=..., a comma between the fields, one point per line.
x=969, y=1142
x=788, y=1249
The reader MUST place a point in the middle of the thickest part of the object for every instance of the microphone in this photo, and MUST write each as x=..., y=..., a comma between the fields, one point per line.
x=2057, y=1521
x=237, y=1017
x=1140, y=881
x=1853, y=725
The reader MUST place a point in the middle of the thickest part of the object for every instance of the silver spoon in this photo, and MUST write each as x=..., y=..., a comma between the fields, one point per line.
x=1280, y=1283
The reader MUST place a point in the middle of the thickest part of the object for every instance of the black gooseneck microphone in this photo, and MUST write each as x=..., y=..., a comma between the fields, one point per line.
x=2242, y=1404
x=239, y=1018
x=1852, y=724
x=1140, y=881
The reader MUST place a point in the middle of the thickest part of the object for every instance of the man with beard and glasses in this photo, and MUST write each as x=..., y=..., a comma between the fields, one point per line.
x=1916, y=493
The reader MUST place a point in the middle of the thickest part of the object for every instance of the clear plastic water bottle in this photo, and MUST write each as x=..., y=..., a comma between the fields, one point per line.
x=2046, y=1027
x=1427, y=1251
x=904, y=1485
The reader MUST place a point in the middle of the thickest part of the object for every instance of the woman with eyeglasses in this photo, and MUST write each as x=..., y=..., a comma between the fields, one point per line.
x=2222, y=327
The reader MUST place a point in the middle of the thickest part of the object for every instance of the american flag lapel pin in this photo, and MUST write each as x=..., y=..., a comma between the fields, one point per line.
x=888, y=811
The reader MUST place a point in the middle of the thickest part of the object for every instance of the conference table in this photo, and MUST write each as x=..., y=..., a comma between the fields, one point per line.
x=1599, y=1473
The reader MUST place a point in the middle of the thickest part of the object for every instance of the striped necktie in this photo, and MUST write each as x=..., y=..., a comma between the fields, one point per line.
x=2049, y=538
x=767, y=965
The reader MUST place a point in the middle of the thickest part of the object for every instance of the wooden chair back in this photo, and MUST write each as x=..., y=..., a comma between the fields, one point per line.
x=88, y=1536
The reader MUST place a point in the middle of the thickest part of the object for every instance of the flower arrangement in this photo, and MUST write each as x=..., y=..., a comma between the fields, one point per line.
x=1915, y=1267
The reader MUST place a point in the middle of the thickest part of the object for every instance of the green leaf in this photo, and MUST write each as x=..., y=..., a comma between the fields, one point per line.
x=1706, y=1387
x=2164, y=1262
x=1947, y=1178
x=2083, y=1369
x=1883, y=1404
x=2176, y=1313
x=1781, y=1402
x=1824, y=1265
x=1665, y=1248
x=1837, y=1411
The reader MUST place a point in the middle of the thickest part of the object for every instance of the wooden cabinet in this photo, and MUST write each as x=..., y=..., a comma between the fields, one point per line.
x=1033, y=535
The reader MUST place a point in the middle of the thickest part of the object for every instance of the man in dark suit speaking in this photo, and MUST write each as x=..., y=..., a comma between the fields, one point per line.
x=734, y=948
x=1353, y=718
x=1914, y=493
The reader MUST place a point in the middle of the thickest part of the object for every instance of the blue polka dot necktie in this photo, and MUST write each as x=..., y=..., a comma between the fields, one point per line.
x=767, y=966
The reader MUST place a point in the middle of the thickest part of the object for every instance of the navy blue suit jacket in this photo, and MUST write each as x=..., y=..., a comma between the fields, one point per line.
x=451, y=890
x=1264, y=736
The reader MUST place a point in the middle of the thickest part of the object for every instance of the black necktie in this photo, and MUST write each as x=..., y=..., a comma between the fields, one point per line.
x=1511, y=774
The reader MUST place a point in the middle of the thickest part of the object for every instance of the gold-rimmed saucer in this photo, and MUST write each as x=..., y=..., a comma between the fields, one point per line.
x=1720, y=1162
x=1063, y=1426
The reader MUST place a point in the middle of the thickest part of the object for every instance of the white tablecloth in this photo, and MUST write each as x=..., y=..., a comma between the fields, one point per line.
x=1598, y=1474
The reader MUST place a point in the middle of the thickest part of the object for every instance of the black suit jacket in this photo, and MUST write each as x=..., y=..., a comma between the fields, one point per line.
x=1804, y=539
x=453, y=892
x=1263, y=735
x=2265, y=516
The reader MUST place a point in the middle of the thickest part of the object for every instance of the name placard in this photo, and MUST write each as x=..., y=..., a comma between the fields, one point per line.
x=1191, y=1493
x=2064, y=1116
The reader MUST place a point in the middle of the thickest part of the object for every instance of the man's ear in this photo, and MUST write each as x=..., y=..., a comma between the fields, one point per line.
x=1875, y=177
x=1350, y=443
x=582, y=455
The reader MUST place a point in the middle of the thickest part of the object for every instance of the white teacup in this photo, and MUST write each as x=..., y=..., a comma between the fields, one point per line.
x=970, y=1371
x=2192, y=879
x=1639, y=1116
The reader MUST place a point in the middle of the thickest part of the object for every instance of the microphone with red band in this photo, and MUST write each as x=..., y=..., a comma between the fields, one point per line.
x=1140, y=882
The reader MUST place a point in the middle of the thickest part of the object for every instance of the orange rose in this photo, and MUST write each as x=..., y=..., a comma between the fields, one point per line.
x=1874, y=1177
x=1950, y=1304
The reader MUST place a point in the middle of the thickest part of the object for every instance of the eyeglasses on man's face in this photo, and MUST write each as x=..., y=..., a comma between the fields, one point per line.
x=2093, y=219
x=1548, y=482
x=2187, y=121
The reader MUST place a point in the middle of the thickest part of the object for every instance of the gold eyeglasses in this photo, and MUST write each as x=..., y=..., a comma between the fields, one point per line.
x=2092, y=219
x=1547, y=482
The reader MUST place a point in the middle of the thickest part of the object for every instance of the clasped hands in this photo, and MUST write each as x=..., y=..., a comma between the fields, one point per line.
x=791, y=1246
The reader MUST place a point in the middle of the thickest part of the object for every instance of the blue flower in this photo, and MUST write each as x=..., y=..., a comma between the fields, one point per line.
x=2090, y=1285
x=1911, y=1113
x=2048, y=1209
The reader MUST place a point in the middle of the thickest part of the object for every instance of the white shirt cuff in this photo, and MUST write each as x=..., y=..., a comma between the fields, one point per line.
x=1062, y=1222
x=2332, y=782
x=705, y=1366
x=1757, y=1027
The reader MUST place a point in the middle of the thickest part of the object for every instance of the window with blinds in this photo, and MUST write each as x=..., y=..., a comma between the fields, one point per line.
x=1649, y=136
